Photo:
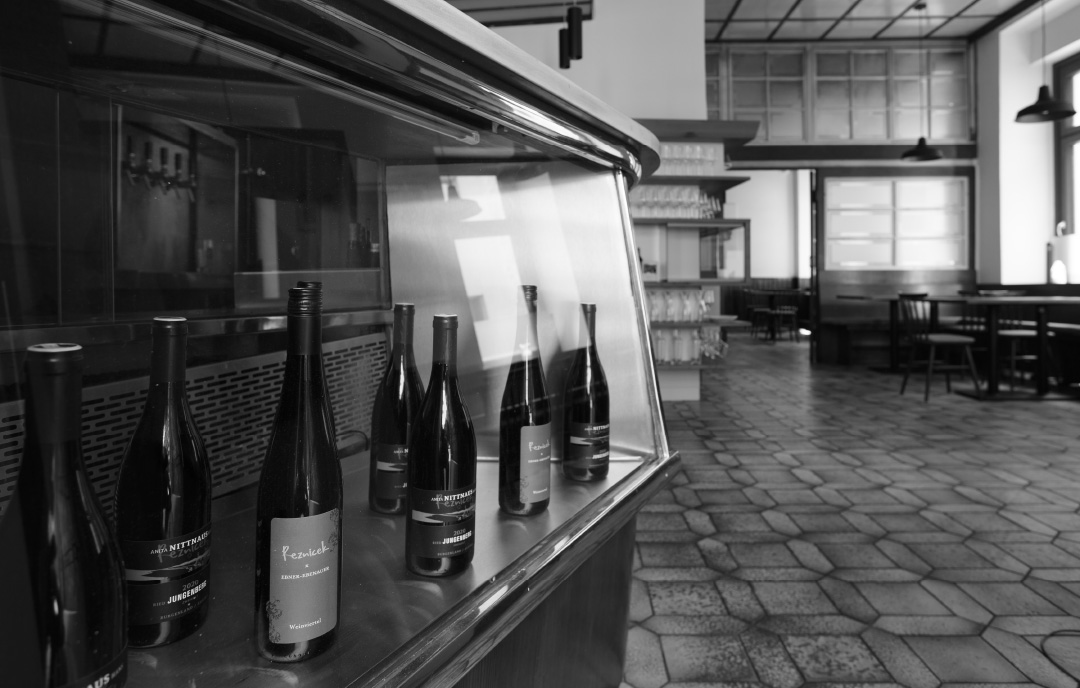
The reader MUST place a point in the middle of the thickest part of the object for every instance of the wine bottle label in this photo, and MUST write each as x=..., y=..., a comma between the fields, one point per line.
x=391, y=470
x=112, y=674
x=535, y=485
x=444, y=521
x=590, y=445
x=304, y=589
x=166, y=578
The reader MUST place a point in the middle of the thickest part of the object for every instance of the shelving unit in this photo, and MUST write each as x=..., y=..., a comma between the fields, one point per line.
x=704, y=253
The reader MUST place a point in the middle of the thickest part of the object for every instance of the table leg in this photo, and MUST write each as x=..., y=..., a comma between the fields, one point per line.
x=894, y=335
x=934, y=319
x=1042, y=382
x=992, y=354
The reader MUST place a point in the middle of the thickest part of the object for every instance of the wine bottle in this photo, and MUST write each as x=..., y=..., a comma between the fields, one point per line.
x=298, y=516
x=62, y=600
x=162, y=503
x=586, y=415
x=525, y=423
x=441, y=495
x=396, y=401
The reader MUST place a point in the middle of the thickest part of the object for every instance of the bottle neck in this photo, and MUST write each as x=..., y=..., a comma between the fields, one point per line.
x=168, y=357
x=590, y=327
x=528, y=343
x=53, y=407
x=305, y=335
x=403, y=336
x=444, y=350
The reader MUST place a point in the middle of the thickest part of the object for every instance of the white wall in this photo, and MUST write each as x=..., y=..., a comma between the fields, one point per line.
x=1016, y=215
x=770, y=200
x=645, y=58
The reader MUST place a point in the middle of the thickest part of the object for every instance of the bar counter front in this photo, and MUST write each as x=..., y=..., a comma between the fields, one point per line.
x=199, y=159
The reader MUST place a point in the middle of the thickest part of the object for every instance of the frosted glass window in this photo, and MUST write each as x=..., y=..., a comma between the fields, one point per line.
x=930, y=253
x=860, y=223
x=833, y=94
x=869, y=94
x=786, y=125
x=786, y=64
x=908, y=125
x=909, y=93
x=747, y=64
x=951, y=62
x=749, y=93
x=859, y=194
x=832, y=124
x=908, y=63
x=870, y=125
x=833, y=64
x=929, y=223
x=785, y=94
x=930, y=193
x=859, y=253
x=949, y=124
x=871, y=63
x=948, y=91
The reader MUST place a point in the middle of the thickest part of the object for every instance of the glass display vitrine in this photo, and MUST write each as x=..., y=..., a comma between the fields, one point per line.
x=198, y=159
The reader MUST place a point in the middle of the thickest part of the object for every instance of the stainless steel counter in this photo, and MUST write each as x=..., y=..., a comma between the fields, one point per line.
x=398, y=629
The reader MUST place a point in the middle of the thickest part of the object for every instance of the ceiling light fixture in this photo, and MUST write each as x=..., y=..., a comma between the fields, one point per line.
x=922, y=152
x=1046, y=108
x=574, y=17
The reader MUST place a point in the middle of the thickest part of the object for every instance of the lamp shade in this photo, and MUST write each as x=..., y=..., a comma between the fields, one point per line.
x=573, y=25
x=564, y=49
x=1046, y=108
x=921, y=152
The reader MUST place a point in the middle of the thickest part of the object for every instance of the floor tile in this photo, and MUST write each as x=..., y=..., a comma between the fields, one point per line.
x=706, y=658
x=832, y=658
x=964, y=659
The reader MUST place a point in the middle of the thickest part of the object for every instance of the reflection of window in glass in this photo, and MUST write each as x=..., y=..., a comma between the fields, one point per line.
x=896, y=223
x=768, y=86
x=477, y=195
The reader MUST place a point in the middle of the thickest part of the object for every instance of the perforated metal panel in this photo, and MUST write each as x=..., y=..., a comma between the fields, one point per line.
x=233, y=404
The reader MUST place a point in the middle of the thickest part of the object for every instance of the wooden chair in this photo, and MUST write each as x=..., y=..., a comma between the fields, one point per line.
x=785, y=314
x=1016, y=327
x=758, y=313
x=915, y=316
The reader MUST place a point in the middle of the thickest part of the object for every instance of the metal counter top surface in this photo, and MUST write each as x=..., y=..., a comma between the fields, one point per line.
x=396, y=628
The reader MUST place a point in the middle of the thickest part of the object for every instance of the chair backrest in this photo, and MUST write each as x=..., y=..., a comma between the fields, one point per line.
x=915, y=316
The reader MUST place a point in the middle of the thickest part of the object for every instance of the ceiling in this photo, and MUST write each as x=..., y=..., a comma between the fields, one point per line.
x=729, y=21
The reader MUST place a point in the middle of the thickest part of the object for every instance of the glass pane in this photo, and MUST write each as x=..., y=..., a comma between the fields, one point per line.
x=908, y=125
x=859, y=223
x=786, y=125
x=869, y=94
x=930, y=193
x=712, y=64
x=748, y=93
x=909, y=93
x=908, y=63
x=832, y=124
x=833, y=94
x=833, y=64
x=786, y=64
x=930, y=223
x=948, y=62
x=870, y=125
x=948, y=91
x=855, y=254
x=712, y=94
x=876, y=193
x=931, y=253
x=1076, y=91
x=747, y=64
x=785, y=94
x=871, y=63
x=949, y=124
x=1074, y=202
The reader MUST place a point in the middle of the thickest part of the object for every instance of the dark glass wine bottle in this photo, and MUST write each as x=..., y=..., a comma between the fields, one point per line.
x=298, y=517
x=441, y=522
x=163, y=503
x=525, y=423
x=396, y=401
x=329, y=415
x=586, y=415
x=62, y=601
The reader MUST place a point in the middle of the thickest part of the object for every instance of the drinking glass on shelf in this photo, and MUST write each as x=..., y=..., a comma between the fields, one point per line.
x=671, y=305
x=663, y=346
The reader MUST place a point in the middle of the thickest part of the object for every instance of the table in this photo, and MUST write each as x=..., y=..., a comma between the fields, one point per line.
x=773, y=296
x=992, y=304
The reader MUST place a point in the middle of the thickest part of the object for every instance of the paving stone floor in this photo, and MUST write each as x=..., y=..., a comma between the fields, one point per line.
x=827, y=531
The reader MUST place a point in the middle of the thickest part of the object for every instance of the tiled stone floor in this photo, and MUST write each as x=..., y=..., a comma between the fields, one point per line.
x=826, y=530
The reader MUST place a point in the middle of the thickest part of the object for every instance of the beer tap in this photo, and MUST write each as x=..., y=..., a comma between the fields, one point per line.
x=130, y=169
x=147, y=171
x=188, y=185
x=165, y=178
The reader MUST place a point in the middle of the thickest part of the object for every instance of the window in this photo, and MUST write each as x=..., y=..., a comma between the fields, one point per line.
x=1066, y=87
x=902, y=223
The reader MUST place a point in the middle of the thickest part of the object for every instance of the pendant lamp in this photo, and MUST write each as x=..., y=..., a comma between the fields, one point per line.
x=922, y=152
x=1046, y=108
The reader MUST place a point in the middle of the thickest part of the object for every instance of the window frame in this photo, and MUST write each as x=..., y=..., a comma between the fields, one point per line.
x=1066, y=135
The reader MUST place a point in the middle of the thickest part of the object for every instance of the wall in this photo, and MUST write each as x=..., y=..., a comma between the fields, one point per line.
x=1016, y=215
x=643, y=57
x=770, y=200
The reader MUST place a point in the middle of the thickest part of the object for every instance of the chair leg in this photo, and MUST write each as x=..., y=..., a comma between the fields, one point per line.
x=929, y=372
x=907, y=370
x=974, y=373
x=1012, y=365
